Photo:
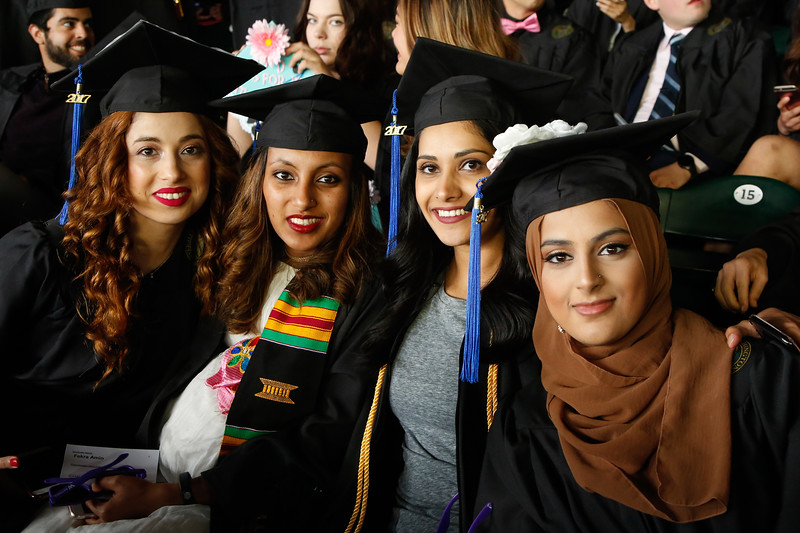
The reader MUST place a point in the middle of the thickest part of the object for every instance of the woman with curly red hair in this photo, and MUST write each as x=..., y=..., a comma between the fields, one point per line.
x=98, y=314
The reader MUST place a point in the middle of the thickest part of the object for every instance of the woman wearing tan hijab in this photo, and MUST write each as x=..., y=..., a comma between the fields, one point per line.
x=647, y=420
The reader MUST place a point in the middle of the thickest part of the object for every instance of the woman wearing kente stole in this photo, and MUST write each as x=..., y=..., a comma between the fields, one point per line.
x=296, y=299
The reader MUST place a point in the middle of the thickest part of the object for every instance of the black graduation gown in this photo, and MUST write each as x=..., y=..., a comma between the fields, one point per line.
x=727, y=71
x=50, y=371
x=564, y=47
x=586, y=14
x=528, y=481
x=517, y=366
x=781, y=241
x=287, y=475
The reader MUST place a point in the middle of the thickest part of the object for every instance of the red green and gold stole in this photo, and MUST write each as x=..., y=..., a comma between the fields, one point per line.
x=285, y=369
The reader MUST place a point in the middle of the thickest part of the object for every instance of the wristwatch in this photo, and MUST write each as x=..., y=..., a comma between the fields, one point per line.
x=686, y=161
x=185, y=482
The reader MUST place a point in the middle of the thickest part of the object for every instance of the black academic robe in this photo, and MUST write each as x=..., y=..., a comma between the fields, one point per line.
x=50, y=371
x=287, y=475
x=781, y=241
x=564, y=47
x=603, y=28
x=727, y=72
x=531, y=488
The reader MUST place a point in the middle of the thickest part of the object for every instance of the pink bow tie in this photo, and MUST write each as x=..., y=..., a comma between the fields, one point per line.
x=530, y=24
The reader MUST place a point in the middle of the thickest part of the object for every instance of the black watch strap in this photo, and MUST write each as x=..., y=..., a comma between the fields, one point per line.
x=185, y=482
x=686, y=161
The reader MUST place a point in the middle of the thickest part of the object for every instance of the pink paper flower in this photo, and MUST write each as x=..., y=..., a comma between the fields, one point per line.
x=267, y=42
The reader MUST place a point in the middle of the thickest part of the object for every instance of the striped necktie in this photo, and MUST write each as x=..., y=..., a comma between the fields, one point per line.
x=665, y=103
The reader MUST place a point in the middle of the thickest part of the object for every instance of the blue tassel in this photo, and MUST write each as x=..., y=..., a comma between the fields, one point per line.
x=255, y=136
x=472, y=336
x=394, y=197
x=77, y=120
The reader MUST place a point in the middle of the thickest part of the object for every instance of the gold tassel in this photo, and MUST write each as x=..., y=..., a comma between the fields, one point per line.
x=491, y=395
x=362, y=488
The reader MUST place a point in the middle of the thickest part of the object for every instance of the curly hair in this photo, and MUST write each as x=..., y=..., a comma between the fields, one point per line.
x=252, y=251
x=473, y=24
x=97, y=244
x=363, y=55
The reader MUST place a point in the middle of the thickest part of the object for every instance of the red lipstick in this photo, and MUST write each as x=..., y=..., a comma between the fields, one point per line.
x=304, y=223
x=173, y=196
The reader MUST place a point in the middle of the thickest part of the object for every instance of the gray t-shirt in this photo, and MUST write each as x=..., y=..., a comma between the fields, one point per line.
x=423, y=393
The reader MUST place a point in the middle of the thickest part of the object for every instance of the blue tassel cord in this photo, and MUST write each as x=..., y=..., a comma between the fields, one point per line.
x=256, y=131
x=395, y=132
x=77, y=121
x=472, y=335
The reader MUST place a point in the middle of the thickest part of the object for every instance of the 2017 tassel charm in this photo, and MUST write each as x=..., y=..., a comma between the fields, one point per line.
x=77, y=99
x=394, y=131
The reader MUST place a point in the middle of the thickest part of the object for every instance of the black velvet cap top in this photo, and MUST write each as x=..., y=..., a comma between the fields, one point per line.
x=34, y=6
x=150, y=69
x=444, y=83
x=555, y=174
x=317, y=113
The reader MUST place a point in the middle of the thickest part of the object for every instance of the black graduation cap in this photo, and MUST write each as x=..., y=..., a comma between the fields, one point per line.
x=558, y=173
x=562, y=172
x=150, y=69
x=445, y=83
x=34, y=6
x=315, y=113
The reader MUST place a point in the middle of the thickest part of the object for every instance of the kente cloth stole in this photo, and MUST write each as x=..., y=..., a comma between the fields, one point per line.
x=283, y=376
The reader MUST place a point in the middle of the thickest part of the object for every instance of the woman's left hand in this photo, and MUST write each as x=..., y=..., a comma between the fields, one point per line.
x=304, y=57
x=132, y=498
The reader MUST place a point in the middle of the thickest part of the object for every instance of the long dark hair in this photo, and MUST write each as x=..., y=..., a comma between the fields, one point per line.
x=252, y=251
x=363, y=55
x=508, y=302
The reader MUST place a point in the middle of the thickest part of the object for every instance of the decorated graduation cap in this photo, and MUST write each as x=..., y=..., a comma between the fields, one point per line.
x=559, y=166
x=318, y=113
x=554, y=174
x=443, y=83
x=34, y=6
x=149, y=69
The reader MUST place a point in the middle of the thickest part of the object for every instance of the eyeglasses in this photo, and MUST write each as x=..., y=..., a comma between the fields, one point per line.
x=73, y=490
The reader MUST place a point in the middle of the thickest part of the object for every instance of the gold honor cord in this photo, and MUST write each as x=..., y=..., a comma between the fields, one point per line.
x=491, y=395
x=362, y=489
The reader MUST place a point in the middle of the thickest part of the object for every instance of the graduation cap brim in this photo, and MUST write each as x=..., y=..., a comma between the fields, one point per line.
x=259, y=104
x=144, y=44
x=634, y=141
x=535, y=92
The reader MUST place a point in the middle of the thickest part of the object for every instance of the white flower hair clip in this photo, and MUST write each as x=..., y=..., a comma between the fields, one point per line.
x=520, y=134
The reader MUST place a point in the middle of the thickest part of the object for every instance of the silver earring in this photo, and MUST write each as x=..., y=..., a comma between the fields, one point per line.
x=560, y=329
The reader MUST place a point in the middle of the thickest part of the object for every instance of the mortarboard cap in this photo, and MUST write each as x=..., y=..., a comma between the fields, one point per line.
x=150, y=69
x=34, y=6
x=315, y=113
x=555, y=174
x=445, y=83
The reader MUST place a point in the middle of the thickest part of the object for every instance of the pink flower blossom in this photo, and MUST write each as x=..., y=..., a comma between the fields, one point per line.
x=267, y=42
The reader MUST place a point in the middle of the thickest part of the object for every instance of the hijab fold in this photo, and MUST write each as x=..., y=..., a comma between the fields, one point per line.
x=644, y=421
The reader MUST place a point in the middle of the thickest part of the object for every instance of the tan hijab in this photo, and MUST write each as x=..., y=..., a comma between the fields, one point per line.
x=645, y=421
